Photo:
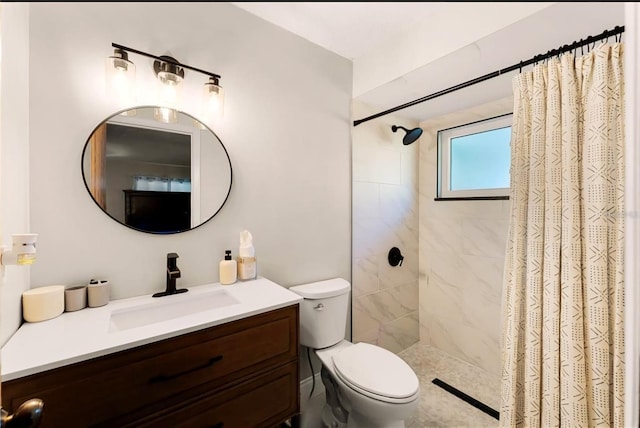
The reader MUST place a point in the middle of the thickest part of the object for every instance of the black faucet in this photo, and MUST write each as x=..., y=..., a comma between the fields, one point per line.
x=172, y=273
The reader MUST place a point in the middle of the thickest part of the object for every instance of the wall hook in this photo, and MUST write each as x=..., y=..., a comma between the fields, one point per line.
x=395, y=257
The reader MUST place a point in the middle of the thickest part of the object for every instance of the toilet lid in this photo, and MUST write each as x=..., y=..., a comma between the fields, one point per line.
x=376, y=370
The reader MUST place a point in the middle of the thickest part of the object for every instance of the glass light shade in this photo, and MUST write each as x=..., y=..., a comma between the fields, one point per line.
x=213, y=99
x=165, y=115
x=121, y=78
x=130, y=112
x=169, y=89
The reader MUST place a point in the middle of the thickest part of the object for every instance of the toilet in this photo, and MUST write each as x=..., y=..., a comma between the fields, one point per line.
x=366, y=386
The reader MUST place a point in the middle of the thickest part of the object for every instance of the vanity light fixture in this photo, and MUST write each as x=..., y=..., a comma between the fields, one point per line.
x=170, y=77
x=213, y=98
x=121, y=76
x=170, y=73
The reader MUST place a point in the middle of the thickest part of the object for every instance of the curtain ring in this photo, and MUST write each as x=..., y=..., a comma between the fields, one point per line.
x=520, y=68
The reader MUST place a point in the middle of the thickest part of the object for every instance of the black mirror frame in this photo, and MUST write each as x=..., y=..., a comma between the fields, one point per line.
x=84, y=179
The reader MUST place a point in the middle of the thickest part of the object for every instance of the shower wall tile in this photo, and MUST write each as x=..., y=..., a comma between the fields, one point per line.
x=406, y=295
x=469, y=343
x=385, y=215
x=400, y=334
x=485, y=276
x=410, y=165
x=365, y=276
x=462, y=247
x=484, y=237
x=363, y=322
x=403, y=235
x=367, y=233
x=366, y=200
x=370, y=336
x=398, y=203
x=393, y=276
x=384, y=306
x=377, y=165
x=441, y=235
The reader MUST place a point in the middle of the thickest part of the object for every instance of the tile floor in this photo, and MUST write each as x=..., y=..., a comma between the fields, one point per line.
x=438, y=408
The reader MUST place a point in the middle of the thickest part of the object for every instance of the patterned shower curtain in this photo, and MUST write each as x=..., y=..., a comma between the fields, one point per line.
x=563, y=307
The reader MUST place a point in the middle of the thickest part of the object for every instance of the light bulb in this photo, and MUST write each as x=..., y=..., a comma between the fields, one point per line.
x=121, y=77
x=169, y=89
x=213, y=103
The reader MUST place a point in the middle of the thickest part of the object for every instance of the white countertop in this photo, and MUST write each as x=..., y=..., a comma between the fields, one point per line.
x=85, y=334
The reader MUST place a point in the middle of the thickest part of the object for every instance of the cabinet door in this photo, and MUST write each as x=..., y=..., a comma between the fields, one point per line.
x=264, y=401
x=115, y=389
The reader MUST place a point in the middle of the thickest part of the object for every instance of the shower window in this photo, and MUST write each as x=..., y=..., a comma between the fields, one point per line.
x=474, y=160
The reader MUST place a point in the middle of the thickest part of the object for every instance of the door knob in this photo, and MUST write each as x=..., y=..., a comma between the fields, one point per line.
x=26, y=416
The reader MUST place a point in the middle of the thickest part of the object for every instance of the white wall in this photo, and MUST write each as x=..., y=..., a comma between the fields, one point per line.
x=14, y=155
x=286, y=127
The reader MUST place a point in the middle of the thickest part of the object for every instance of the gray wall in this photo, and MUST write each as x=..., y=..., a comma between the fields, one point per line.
x=286, y=127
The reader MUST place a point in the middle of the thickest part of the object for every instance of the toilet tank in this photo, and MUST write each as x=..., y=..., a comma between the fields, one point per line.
x=323, y=312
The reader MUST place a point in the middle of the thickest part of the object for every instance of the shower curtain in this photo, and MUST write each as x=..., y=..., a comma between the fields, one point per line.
x=563, y=332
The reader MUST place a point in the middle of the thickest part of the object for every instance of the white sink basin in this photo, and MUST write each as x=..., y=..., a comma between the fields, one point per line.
x=175, y=306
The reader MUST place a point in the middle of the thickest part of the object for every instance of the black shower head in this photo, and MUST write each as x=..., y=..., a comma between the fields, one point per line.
x=411, y=135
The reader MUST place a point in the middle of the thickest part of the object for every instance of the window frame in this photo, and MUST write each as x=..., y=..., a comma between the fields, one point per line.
x=444, y=137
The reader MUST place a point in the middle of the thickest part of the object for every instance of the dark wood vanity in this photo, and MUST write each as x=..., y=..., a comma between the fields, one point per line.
x=240, y=374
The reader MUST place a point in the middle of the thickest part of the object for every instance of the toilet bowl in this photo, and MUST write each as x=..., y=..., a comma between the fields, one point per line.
x=376, y=387
x=367, y=386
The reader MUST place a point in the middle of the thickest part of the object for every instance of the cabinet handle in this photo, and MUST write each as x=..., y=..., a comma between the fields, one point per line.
x=218, y=425
x=164, y=378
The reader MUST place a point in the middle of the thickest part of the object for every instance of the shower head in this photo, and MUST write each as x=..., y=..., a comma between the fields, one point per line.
x=410, y=136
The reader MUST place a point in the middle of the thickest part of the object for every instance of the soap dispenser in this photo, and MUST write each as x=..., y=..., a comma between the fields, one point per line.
x=228, y=269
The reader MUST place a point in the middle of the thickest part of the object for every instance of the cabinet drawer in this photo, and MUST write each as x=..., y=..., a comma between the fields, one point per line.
x=130, y=384
x=263, y=401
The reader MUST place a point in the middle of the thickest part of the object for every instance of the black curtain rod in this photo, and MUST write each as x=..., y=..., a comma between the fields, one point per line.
x=124, y=48
x=541, y=57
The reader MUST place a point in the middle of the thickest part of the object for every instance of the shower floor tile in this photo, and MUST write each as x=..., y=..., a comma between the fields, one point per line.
x=439, y=408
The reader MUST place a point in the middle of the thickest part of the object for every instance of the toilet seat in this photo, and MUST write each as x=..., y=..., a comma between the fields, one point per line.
x=376, y=373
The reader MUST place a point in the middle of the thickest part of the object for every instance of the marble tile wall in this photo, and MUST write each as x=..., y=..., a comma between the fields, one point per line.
x=385, y=215
x=462, y=246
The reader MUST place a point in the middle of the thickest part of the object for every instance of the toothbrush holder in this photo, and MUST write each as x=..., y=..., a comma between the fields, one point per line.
x=98, y=293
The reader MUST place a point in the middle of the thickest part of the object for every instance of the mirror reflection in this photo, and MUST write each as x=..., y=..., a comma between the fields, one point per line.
x=153, y=176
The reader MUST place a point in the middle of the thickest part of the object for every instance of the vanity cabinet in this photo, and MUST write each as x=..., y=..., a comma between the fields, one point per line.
x=241, y=374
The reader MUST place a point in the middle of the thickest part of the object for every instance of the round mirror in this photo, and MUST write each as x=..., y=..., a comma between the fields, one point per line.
x=156, y=170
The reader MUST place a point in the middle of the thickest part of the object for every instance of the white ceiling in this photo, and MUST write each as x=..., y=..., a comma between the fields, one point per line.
x=350, y=29
x=353, y=30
